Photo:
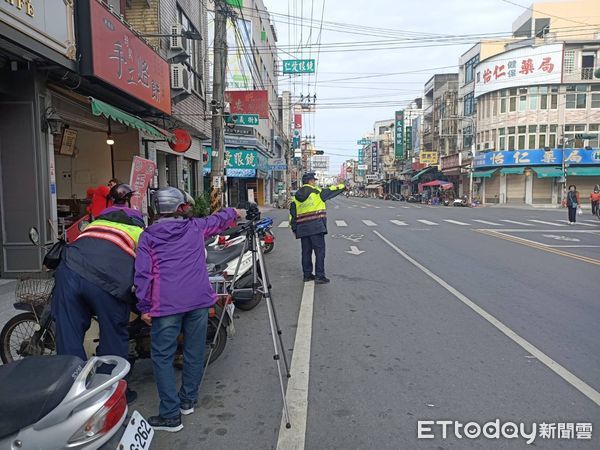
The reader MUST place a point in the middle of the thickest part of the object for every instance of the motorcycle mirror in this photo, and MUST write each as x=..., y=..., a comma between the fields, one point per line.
x=34, y=236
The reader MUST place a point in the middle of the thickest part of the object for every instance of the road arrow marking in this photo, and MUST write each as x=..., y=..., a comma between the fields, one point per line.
x=354, y=250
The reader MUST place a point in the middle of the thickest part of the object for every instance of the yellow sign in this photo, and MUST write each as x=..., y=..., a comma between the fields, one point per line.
x=430, y=158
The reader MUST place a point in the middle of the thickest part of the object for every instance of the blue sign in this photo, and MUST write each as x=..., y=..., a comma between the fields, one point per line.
x=538, y=157
x=374, y=157
x=241, y=173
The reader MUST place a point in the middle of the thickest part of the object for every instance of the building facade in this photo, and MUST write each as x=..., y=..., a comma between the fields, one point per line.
x=538, y=122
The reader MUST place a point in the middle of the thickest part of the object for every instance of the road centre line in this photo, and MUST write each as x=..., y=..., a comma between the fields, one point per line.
x=487, y=223
x=517, y=223
x=548, y=223
x=297, y=388
x=455, y=222
x=426, y=222
x=579, y=223
x=539, y=246
x=561, y=371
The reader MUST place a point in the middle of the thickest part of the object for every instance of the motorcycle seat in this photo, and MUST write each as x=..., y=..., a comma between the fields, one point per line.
x=32, y=387
x=220, y=257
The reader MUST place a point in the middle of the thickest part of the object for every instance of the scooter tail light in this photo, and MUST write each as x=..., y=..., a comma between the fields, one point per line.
x=105, y=419
x=222, y=240
x=269, y=239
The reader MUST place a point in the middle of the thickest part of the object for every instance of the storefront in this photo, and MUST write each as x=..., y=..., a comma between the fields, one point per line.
x=31, y=37
x=246, y=171
x=536, y=176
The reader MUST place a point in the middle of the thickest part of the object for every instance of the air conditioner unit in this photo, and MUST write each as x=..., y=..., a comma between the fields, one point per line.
x=177, y=41
x=180, y=78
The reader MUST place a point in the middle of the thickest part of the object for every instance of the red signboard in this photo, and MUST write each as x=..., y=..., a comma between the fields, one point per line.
x=142, y=173
x=123, y=60
x=249, y=102
x=298, y=121
x=183, y=141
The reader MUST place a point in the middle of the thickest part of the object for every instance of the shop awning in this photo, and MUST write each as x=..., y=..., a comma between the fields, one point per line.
x=99, y=108
x=484, y=173
x=512, y=170
x=420, y=173
x=406, y=172
x=584, y=171
x=437, y=183
x=548, y=172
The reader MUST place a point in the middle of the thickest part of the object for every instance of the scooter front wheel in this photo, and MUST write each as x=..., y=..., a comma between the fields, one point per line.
x=21, y=337
x=212, y=330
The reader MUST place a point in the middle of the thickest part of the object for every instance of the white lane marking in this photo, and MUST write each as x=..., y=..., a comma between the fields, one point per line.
x=547, y=223
x=426, y=222
x=418, y=207
x=405, y=207
x=363, y=207
x=391, y=207
x=284, y=224
x=369, y=223
x=487, y=223
x=341, y=223
x=562, y=372
x=579, y=223
x=517, y=223
x=399, y=223
x=595, y=222
x=377, y=207
x=455, y=222
x=297, y=386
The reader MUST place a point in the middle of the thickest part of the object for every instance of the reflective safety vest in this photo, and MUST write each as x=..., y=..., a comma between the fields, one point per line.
x=125, y=236
x=312, y=208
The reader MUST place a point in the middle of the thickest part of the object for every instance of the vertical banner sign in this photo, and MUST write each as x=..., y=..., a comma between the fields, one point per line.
x=298, y=121
x=399, y=127
x=408, y=139
x=142, y=174
x=374, y=157
x=361, y=161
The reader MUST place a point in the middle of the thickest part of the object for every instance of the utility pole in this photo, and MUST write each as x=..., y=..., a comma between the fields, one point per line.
x=217, y=195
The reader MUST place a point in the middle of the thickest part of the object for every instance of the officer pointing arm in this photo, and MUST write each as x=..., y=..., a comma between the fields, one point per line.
x=308, y=220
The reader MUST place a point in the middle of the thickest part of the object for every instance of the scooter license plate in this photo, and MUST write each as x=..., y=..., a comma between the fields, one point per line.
x=138, y=434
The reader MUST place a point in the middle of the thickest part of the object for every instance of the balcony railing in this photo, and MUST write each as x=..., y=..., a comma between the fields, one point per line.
x=587, y=73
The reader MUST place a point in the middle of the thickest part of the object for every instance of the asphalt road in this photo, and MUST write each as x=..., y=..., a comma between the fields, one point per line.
x=438, y=319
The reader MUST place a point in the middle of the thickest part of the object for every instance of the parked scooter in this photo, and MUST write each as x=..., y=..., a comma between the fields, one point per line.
x=61, y=402
x=462, y=201
x=263, y=228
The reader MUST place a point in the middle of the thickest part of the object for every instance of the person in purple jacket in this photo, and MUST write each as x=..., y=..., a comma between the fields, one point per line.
x=174, y=295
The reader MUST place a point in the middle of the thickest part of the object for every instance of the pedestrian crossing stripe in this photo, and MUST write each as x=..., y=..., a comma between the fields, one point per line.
x=487, y=222
x=543, y=222
x=456, y=222
x=399, y=223
x=369, y=223
x=341, y=223
x=284, y=224
x=517, y=223
x=427, y=222
x=579, y=223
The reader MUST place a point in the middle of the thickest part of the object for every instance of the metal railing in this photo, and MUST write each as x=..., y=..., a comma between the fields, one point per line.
x=587, y=73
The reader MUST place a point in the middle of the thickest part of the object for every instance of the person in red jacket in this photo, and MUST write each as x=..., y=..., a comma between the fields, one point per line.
x=595, y=199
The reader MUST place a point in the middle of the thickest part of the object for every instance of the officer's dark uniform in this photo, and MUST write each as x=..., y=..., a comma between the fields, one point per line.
x=95, y=276
x=308, y=219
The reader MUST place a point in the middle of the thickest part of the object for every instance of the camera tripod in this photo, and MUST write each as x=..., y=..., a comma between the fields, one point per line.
x=261, y=286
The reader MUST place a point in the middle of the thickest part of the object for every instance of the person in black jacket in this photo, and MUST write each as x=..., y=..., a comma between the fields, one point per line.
x=308, y=220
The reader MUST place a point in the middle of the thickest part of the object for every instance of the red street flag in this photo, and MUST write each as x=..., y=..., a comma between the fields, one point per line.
x=298, y=121
x=142, y=173
x=249, y=102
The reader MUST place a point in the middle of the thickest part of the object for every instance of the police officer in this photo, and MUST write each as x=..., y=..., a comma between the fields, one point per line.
x=95, y=277
x=308, y=219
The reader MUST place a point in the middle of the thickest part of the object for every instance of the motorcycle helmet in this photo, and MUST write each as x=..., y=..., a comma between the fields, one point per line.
x=169, y=200
x=120, y=194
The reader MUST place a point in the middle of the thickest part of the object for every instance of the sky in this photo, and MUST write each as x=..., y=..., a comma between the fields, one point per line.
x=338, y=124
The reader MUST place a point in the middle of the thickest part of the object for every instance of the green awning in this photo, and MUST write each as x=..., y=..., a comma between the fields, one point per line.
x=418, y=175
x=406, y=172
x=512, y=170
x=584, y=171
x=484, y=173
x=99, y=108
x=547, y=172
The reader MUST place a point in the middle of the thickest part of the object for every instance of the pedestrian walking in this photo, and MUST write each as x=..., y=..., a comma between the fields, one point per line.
x=595, y=199
x=573, y=203
x=308, y=220
x=174, y=294
x=95, y=278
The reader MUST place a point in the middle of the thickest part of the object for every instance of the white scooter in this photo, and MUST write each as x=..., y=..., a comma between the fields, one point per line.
x=60, y=402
